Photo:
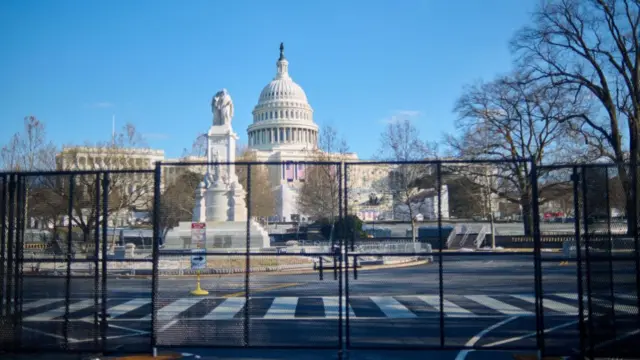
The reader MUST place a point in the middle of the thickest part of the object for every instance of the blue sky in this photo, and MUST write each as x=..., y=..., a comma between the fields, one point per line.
x=156, y=64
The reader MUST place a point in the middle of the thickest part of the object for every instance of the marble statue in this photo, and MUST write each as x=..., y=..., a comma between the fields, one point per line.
x=222, y=108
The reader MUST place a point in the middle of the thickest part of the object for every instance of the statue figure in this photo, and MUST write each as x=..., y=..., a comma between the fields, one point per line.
x=222, y=108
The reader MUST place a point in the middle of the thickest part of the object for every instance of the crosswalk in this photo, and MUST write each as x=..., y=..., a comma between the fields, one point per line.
x=327, y=307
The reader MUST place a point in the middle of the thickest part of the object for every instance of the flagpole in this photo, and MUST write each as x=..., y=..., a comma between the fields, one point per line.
x=113, y=130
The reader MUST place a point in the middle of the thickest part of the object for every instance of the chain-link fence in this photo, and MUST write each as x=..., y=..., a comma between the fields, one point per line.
x=68, y=292
x=443, y=255
x=599, y=252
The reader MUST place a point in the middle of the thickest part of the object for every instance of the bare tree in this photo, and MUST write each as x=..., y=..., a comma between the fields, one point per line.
x=126, y=191
x=318, y=197
x=261, y=191
x=591, y=48
x=177, y=201
x=198, y=147
x=515, y=121
x=29, y=150
x=401, y=142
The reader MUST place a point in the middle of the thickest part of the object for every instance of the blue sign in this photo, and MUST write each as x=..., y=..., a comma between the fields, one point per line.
x=198, y=259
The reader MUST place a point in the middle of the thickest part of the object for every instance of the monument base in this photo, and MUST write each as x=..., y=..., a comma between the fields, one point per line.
x=221, y=235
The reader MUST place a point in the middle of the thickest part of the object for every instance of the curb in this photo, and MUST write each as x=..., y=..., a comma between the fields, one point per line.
x=230, y=272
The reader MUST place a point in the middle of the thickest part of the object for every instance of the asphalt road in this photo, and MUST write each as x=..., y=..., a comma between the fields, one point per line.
x=488, y=301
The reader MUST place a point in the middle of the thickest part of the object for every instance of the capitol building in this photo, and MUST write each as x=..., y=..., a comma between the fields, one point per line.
x=283, y=131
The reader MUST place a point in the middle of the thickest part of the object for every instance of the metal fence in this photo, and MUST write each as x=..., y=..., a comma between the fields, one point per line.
x=455, y=259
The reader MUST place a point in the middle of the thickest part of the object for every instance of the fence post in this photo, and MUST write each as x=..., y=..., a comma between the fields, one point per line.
x=247, y=262
x=341, y=209
x=440, y=247
x=10, y=243
x=67, y=293
x=21, y=212
x=96, y=262
x=537, y=256
x=577, y=216
x=610, y=248
x=4, y=298
x=157, y=179
x=345, y=256
x=587, y=254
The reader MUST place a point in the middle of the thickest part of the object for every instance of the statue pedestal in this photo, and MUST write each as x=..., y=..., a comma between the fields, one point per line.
x=216, y=202
x=221, y=235
x=220, y=198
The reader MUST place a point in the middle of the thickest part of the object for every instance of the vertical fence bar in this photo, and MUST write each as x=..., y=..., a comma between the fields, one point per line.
x=3, y=260
x=105, y=258
x=341, y=217
x=10, y=242
x=440, y=248
x=577, y=229
x=537, y=256
x=247, y=278
x=21, y=212
x=609, y=240
x=96, y=263
x=587, y=244
x=157, y=178
x=634, y=217
x=16, y=263
x=345, y=256
x=67, y=293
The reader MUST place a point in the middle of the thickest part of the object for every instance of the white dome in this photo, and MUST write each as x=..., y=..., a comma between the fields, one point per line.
x=283, y=117
x=282, y=89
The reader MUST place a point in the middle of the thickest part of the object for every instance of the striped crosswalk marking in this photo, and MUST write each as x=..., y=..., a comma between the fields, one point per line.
x=122, y=309
x=628, y=309
x=57, y=312
x=293, y=308
x=227, y=309
x=449, y=308
x=498, y=305
x=282, y=308
x=331, y=308
x=392, y=308
x=38, y=303
x=626, y=296
x=175, y=308
x=550, y=304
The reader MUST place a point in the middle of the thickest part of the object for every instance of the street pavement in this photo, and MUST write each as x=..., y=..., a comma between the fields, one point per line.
x=489, y=301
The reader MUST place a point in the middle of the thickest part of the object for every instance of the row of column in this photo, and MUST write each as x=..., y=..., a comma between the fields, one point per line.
x=282, y=135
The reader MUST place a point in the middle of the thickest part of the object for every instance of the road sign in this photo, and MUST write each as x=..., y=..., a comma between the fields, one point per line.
x=198, y=259
x=199, y=234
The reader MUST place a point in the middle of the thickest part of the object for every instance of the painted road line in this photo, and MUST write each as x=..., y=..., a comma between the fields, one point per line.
x=57, y=312
x=626, y=296
x=38, y=303
x=628, y=309
x=227, y=309
x=550, y=304
x=450, y=309
x=175, y=308
x=122, y=309
x=331, y=308
x=392, y=308
x=282, y=308
x=498, y=305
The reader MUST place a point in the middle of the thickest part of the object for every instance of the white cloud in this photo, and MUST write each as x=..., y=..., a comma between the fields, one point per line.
x=401, y=115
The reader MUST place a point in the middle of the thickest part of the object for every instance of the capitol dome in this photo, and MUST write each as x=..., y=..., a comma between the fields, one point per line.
x=283, y=117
